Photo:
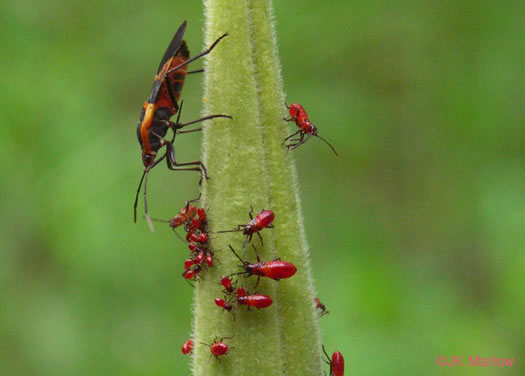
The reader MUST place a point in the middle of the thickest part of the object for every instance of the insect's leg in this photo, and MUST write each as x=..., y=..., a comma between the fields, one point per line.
x=260, y=238
x=178, y=126
x=251, y=212
x=298, y=139
x=256, y=254
x=290, y=136
x=195, y=71
x=172, y=162
x=327, y=357
x=285, y=119
x=203, y=53
x=299, y=143
x=190, y=131
x=196, y=199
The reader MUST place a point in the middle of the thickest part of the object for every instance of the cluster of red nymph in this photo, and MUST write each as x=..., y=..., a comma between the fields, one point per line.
x=153, y=127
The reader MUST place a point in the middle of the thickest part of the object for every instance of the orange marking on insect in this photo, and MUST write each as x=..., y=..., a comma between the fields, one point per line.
x=146, y=124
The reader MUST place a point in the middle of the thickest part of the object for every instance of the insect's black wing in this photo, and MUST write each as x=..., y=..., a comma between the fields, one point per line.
x=172, y=49
x=175, y=44
x=155, y=91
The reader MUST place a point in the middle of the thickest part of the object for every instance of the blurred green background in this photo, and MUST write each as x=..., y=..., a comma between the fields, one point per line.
x=416, y=232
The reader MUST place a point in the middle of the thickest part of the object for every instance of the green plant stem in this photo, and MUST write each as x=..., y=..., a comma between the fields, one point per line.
x=248, y=166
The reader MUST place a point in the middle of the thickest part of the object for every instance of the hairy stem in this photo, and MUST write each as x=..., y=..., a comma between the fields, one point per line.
x=248, y=166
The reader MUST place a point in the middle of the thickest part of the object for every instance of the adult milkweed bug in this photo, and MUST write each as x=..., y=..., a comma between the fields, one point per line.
x=321, y=307
x=187, y=347
x=161, y=105
x=337, y=363
x=261, y=221
x=300, y=117
x=218, y=348
x=275, y=269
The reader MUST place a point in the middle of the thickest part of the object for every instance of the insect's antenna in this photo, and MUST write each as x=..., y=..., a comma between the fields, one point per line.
x=235, y=253
x=137, y=197
x=256, y=254
x=223, y=231
x=146, y=214
x=178, y=236
x=229, y=275
x=160, y=220
x=328, y=144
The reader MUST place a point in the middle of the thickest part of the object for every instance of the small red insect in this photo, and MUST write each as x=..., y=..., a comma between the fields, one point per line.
x=263, y=220
x=219, y=348
x=197, y=238
x=227, y=283
x=275, y=269
x=184, y=217
x=202, y=216
x=337, y=363
x=193, y=247
x=195, y=224
x=200, y=257
x=188, y=263
x=256, y=300
x=226, y=306
x=192, y=273
x=321, y=307
x=223, y=304
x=209, y=259
x=300, y=117
x=187, y=347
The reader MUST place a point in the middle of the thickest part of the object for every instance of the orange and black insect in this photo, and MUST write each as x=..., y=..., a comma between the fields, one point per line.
x=161, y=105
x=306, y=128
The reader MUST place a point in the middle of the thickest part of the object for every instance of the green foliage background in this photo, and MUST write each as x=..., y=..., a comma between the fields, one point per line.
x=416, y=232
